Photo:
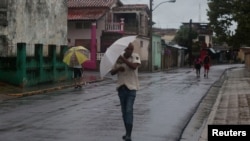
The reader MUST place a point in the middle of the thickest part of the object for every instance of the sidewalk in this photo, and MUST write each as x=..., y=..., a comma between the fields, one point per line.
x=227, y=102
x=8, y=91
x=232, y=104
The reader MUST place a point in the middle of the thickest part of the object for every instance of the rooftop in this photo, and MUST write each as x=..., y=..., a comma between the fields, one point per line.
x=90, y=3
x=86, y=13
x=132, y=7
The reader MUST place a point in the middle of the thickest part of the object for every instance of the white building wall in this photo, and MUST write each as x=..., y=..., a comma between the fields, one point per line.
x=74, y=33
x=168, y=38
x=34, y=21
x=208, y=40
x=141, y=50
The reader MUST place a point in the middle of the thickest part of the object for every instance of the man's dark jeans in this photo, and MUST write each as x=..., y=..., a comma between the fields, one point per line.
x=127, y=98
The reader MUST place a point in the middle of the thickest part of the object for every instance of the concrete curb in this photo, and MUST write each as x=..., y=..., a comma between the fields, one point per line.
x=196, y=127
x=40, y=91
x=46, y=90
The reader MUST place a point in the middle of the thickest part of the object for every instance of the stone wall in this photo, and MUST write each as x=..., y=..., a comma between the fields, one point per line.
x=32, y=22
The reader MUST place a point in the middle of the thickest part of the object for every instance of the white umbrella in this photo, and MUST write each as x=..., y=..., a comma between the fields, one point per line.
x=112, y=54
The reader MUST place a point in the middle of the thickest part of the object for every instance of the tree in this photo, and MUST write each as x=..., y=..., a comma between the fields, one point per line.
x=242, y=16
x=223, y=14
x=182, y=36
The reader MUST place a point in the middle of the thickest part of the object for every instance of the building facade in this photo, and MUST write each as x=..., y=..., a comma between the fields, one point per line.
x=32, y=22
x=33, y=37
x=113, y=20
x=156, y=53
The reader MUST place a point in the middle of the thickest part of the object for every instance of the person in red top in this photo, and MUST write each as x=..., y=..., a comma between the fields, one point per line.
x=206, y=63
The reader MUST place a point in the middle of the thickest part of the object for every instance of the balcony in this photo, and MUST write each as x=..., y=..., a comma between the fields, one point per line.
x=122, y=28
x=115, y=27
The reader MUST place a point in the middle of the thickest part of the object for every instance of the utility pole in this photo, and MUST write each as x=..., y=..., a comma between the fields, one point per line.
x=150, y=63
x=150, y=50
x=190, y=43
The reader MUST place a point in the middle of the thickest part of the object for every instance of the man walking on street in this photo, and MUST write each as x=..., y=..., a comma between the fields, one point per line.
x=126, y=69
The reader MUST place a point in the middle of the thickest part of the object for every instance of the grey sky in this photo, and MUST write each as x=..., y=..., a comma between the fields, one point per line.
x=172, y=15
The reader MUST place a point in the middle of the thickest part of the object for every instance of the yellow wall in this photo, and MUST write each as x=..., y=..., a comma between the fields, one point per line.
x=241, y=53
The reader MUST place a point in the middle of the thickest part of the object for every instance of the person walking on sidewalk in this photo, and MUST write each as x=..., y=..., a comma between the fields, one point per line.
x=197, y=66
x=206, y=63
x=78, y=71
x=126, y=68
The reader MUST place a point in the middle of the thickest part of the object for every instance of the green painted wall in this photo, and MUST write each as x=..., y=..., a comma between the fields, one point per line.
x=27, y=71
x=156, y=52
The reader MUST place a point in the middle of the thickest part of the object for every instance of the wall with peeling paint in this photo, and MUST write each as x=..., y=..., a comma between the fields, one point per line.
x=32, y=22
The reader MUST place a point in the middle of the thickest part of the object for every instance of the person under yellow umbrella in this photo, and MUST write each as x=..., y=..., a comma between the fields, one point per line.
x=74, y=58
x=78, y=72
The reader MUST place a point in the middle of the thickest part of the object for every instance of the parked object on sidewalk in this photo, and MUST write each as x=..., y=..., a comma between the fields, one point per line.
x=112, y=53
x=76, y=56
x=126, y=68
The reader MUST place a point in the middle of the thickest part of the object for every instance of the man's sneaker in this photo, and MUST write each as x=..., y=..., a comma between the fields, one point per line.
x=124, y=137
x=128, y=138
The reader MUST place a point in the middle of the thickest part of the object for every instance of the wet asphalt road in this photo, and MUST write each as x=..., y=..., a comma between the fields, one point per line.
x=163, y=107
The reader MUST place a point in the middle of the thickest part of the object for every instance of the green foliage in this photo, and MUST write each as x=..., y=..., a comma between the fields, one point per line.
x=223, y=13
x=196, y=47
x=182, y=36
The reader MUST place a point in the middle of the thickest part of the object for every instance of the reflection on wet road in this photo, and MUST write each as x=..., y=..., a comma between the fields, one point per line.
x=163, y=106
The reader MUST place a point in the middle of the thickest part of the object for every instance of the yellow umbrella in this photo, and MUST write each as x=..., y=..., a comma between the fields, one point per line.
x=76, y=56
